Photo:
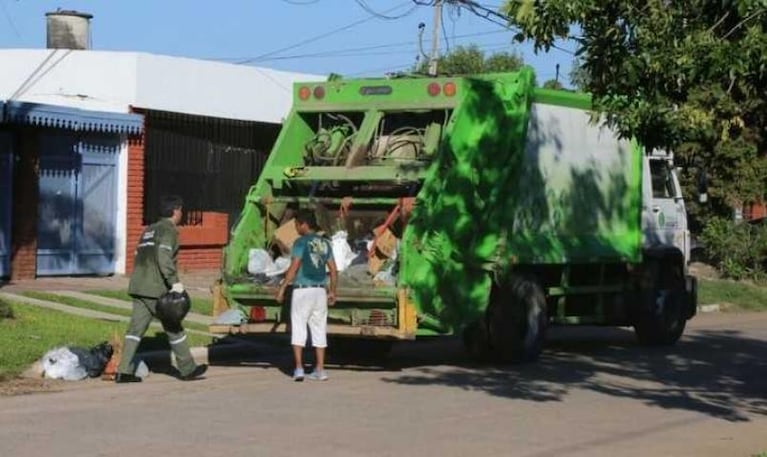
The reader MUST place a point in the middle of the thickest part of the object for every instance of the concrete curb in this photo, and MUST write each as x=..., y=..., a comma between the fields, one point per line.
x=713, y=308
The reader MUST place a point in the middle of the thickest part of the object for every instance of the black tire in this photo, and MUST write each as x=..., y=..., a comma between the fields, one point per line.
x=661, y=314
x=516, y=318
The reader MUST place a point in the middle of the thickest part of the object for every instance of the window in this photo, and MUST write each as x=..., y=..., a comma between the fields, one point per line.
x=662, y=179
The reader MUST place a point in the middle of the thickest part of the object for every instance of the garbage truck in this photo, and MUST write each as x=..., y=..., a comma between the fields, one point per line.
x=481, y=206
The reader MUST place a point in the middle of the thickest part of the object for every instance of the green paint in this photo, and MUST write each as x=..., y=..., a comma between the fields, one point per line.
x=483, y=205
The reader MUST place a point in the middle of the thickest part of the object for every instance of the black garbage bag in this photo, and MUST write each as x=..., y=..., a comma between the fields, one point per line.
x=95, y=359
x=172, y=309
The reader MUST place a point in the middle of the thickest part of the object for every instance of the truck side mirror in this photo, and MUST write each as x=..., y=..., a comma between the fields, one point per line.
x=702, y=186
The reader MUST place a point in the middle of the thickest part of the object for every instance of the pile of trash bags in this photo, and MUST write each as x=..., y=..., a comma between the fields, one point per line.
x=76, y=363
x=361, y=262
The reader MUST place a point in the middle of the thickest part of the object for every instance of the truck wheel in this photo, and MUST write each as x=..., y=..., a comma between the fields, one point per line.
x=660, y=316
x=517, y=321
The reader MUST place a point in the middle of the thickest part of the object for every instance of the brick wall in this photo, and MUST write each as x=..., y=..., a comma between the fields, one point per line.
x=135, y=209
x=755, y=211
x=24, y=208
x=200, y=246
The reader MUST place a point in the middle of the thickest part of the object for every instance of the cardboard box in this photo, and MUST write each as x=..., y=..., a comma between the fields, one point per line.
x=286, y=235
x=386, y=242
x=385, y=246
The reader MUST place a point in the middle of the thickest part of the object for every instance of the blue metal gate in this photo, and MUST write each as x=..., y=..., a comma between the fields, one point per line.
x=78, y=204
x=6, y=199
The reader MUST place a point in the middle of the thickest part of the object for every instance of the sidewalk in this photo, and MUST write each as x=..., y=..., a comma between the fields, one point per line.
x=197, y=283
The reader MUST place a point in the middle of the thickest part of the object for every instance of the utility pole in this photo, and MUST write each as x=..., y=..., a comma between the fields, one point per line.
x=435, y=38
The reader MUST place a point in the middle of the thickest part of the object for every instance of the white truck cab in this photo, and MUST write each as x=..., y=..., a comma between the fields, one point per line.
x=664, y=215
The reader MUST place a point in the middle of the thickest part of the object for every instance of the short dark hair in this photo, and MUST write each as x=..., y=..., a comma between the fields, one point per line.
x=306, y=215
x=168, y=203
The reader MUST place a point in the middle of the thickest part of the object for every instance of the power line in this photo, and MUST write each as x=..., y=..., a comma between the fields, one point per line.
x=370, y=10
x=320, y=36
x=494, y=17
x=444, y=32
x=330, y=53
x=487, y=46
x=10, y=19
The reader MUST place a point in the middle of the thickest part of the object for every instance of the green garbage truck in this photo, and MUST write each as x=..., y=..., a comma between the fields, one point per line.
x=476, y=206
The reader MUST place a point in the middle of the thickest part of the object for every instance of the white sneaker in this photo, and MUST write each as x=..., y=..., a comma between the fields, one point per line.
x=318, y=375
x=298, y=374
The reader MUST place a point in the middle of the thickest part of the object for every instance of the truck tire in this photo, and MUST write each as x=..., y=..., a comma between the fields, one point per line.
x=660, y=316
x=516, y=318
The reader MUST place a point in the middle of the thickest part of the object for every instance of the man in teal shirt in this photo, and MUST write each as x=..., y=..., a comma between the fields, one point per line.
x=311, y=254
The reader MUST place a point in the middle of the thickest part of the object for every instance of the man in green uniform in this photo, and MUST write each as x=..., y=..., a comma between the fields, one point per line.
x=154, y=273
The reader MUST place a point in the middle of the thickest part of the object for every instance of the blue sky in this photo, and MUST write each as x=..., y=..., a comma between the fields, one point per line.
x=257, y=31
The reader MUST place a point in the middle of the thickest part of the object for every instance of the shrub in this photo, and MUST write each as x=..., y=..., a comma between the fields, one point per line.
x=739, y=250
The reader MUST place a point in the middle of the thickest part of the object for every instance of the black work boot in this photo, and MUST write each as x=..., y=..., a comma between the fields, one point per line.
x=126, y=377
x=198, y=371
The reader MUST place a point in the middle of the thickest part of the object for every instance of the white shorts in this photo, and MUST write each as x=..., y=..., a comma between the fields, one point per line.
x=309, y=306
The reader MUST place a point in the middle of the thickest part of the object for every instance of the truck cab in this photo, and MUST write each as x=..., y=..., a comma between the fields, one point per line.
x=664, y=215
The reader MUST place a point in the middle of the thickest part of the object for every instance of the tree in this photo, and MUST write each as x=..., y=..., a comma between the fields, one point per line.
x=553, y=84
x=686, y=76
x=465, y=60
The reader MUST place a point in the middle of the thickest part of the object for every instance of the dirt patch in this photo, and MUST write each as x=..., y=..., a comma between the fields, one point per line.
x=703, y=271
x=24, y=386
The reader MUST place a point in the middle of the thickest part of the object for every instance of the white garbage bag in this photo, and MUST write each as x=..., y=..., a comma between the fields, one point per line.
x=280, y=266
x=61, y=363
x=259, y=261
x=342, y=252
x=232, y=316
x=142, y=370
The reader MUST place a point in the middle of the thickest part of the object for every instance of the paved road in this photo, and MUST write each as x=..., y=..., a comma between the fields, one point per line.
x=594, y=393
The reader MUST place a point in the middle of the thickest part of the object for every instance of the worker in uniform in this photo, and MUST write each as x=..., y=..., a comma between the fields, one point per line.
x=154, y=274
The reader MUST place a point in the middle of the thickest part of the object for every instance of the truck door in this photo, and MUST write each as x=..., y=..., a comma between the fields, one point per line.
x=666, y=215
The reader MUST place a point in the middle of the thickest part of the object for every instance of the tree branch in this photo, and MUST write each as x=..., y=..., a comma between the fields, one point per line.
x=741, y=23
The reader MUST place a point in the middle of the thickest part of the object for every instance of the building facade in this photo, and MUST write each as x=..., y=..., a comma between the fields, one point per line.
x=89, y=140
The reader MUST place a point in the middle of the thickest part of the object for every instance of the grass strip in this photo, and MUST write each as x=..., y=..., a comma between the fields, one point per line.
x=202, y=306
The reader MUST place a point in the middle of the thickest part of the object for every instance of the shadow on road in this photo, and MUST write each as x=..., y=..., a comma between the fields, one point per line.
x=714, y=372
x=720, y=373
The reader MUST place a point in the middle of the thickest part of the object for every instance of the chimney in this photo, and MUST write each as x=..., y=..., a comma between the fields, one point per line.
x=68, y=30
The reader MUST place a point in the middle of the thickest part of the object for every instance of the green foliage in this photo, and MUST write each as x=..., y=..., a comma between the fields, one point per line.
x=684, y=76
x=464, y=60
x=6, y=312
x=739, y=249
x=553, y=84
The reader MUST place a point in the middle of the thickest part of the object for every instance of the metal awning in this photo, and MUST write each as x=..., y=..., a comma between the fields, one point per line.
x=63, y=117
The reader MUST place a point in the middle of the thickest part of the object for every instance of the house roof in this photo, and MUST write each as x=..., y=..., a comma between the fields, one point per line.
x=112, y=81
x=70, y=118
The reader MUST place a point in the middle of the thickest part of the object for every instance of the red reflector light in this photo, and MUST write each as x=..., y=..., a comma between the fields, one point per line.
x=304, y=93
x=449, y=89
x=257, y=314
x=434, y=89
x=319, y=92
